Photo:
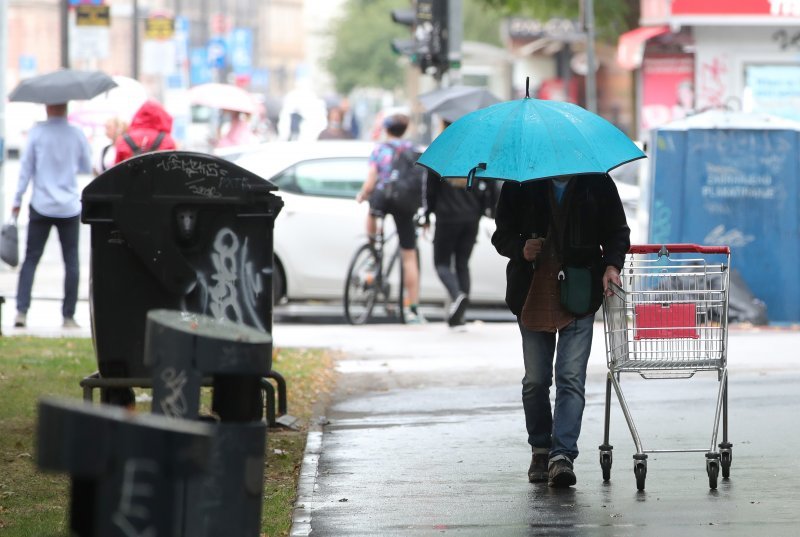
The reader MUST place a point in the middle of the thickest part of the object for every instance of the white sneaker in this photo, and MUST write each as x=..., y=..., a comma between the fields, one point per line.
x=414, y=318
x=69, y=322
x=20, y=320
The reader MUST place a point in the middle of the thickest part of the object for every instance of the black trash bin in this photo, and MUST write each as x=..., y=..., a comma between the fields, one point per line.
x=176, y=230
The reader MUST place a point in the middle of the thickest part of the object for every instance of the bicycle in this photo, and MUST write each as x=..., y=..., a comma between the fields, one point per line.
x=373, y=278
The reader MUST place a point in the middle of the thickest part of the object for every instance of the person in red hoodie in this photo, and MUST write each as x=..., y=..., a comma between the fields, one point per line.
x=149, y=131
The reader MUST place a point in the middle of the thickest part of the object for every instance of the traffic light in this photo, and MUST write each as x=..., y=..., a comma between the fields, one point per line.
x=427, y=47
x=430, y=34
x=406, y=47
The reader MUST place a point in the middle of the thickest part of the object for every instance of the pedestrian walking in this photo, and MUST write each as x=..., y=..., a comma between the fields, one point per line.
x=335, y=129
x=374, y=189
x=458, y=213
x=114, y=128
x=545, y=228
x=150, y=130
x=55, y=153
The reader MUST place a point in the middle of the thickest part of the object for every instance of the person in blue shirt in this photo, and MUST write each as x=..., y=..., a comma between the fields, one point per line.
x=55, y=153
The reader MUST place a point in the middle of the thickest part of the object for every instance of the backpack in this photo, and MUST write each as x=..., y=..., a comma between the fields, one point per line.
x=404, y=189
x=138, y=150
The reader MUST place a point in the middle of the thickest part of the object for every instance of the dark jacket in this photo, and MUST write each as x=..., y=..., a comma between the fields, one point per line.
x=147, y=123
x=452, y=203
x=595, y=235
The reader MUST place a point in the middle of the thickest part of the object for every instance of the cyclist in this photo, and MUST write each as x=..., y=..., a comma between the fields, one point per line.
x=373, y=189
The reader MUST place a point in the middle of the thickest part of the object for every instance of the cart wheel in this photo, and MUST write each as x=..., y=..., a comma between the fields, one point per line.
x=725, y=457
x=640, y=471
x=712, y=467
x=605, y=465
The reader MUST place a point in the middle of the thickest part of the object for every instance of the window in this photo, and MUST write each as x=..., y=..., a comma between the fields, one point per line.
x=329, y=178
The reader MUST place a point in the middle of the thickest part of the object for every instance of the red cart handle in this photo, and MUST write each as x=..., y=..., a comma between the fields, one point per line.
x=666, y=249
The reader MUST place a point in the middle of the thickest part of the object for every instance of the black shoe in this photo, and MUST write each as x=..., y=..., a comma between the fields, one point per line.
x=561, y=474
x=537, y=473
x=455, y=316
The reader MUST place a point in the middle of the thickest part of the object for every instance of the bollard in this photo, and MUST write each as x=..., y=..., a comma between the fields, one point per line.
x=129, y=473
x=182, y=348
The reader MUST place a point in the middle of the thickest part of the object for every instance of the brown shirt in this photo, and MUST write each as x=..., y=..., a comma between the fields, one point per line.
x=542, y=311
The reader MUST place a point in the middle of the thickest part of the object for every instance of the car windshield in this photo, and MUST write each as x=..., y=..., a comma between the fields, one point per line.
x=331, y=178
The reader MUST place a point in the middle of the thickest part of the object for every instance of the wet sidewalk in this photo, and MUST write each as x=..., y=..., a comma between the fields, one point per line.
x=426, y=437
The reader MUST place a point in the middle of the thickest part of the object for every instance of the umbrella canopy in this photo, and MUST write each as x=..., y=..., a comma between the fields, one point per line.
x=528, y=139
x=223, y=96
x=453, y=102
x=121, y=102
x=62, y=86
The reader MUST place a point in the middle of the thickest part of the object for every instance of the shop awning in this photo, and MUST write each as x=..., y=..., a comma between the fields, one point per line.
x=630, y=48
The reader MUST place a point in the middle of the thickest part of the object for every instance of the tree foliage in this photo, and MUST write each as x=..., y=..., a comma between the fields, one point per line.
x=612, y=17
x=361, y=54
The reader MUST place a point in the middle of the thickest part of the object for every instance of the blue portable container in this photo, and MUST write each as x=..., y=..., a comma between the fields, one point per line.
x=729, y=178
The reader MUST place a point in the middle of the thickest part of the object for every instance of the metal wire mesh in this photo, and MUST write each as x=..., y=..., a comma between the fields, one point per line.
x=669, y=319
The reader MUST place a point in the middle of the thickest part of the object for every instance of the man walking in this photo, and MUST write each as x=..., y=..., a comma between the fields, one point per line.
x=55, y=153
x=546, y=227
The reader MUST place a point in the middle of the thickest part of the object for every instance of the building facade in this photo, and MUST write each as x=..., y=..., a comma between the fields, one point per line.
x=694, y=55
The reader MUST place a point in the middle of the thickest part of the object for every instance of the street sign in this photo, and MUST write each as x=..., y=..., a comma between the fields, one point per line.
x=217, y=50
x=242, y=50
x=159, y=28
x=92, y=15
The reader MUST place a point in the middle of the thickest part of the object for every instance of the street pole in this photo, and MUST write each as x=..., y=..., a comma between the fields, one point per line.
x=64, y=9
x=135, y=47
x=3, y=59
x=591, y=81
x=455, y=35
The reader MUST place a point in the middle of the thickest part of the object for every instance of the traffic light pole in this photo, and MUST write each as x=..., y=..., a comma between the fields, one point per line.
x=455, y=36
x=591, y=81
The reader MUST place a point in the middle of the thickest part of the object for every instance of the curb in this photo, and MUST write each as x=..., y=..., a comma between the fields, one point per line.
x=303, y=507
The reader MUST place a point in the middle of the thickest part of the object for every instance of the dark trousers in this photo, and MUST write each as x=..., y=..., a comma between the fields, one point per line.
x=38, y=232
x=452, y=247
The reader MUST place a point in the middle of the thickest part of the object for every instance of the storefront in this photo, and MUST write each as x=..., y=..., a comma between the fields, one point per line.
x=694, y=55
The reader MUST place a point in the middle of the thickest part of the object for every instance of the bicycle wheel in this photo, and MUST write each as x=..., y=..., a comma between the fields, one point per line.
x=360, y=288
x=401, y=291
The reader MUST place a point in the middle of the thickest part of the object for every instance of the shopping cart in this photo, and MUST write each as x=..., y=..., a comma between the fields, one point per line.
x=669, y=320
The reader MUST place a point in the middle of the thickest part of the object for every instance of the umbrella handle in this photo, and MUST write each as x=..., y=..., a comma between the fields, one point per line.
x=471, y=175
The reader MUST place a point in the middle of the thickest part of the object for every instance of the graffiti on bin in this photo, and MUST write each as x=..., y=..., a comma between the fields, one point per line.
x=192, y=167
x=205, y=178
x=174, y=403
x=132, y=515
x=232, y=290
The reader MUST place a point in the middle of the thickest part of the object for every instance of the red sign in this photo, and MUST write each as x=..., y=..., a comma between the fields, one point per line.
x=667, y=89
x=777, y=8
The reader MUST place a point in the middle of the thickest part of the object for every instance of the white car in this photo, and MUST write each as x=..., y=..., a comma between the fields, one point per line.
x=321, y=225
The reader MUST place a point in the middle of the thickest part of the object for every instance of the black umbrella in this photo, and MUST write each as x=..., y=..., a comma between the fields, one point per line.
x=455, y=101
x=62, y=86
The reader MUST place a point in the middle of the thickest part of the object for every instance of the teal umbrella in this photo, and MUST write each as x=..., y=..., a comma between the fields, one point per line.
x=528, y=139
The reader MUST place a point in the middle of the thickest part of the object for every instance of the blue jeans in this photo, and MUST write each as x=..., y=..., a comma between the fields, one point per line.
x=38, y=231
x=558, y=429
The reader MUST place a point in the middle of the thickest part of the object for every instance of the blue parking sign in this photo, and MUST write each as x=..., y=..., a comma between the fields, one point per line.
x=216, y=50
x=241, y=50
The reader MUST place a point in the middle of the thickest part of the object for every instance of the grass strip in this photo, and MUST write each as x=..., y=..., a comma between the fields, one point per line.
x=34, y=503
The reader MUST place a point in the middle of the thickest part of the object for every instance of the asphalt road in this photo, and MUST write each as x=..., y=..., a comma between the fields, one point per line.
x=426, y=437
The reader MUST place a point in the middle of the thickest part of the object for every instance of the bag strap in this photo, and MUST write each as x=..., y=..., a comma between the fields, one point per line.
x=134, y=147
x=157, y=141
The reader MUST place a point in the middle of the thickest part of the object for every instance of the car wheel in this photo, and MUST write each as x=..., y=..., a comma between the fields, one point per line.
x=278, y=283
